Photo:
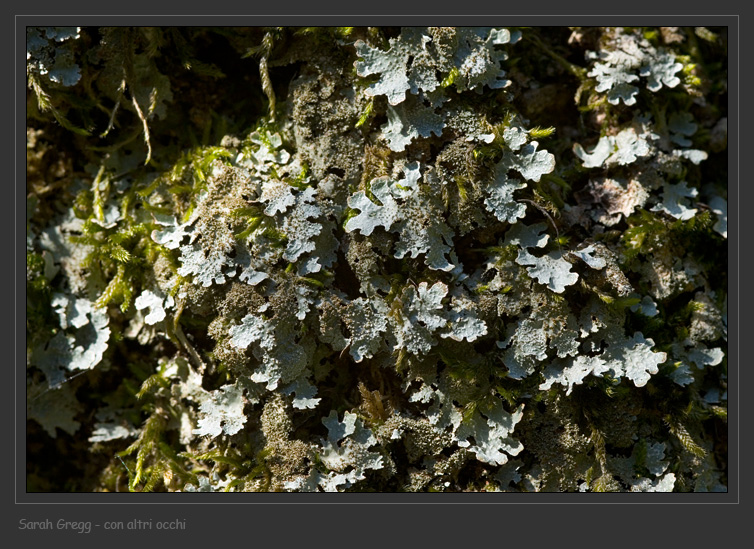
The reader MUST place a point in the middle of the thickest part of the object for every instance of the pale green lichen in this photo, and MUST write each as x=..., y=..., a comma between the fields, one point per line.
x=408, y=277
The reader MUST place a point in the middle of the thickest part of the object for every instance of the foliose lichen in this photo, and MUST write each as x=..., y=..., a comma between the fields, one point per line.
x=377, y=259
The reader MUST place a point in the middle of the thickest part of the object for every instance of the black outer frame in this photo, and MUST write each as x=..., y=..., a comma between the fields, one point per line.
x=205, y=524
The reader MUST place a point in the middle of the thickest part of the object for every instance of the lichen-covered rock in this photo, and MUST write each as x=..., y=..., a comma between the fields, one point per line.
x=424, y=259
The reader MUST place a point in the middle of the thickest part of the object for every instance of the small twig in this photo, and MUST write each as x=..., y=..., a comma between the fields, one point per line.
x=178, y=331
x=146, y=127
x=66, y=380
x=111, y=124
x=267, y=43
x=124, y=464
x=548, y=216
x=577, y=71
